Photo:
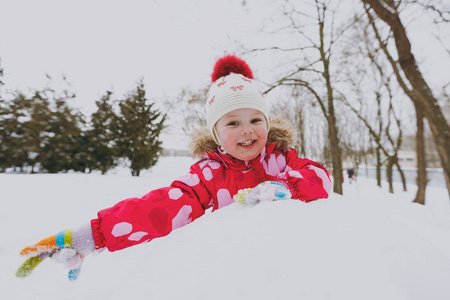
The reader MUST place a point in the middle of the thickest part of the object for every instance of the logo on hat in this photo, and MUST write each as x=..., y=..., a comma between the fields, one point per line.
x=235, y=88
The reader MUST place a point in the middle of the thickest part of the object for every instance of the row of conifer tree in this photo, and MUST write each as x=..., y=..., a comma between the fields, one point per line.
x=42, y=132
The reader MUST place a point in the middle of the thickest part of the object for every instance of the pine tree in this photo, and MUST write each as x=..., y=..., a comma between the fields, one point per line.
x=62, y=150
x=5, y=133
x=138, y=129
x=14, y=134
x=23, y=122
x=102, y=154
x=38, y=128
x=4, y=112
x=41, y=130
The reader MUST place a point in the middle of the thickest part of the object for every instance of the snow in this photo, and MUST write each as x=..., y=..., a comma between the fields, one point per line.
x=367, y=244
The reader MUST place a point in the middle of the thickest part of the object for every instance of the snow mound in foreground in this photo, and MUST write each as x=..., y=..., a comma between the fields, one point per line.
x=336, y=248
x=367, y=244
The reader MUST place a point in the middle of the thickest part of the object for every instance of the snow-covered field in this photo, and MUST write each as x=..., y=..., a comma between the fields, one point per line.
x=366, y=244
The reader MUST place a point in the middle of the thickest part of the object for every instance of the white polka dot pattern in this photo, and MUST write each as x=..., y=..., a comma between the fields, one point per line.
x=175, y=194
x=295, y=174
x=121, y=229
x=137, y=236
x=182, y=218
x=190, y=179
x=224, y=198
x=326, y=182
x=207, y=173
x=214, y=165
x=281, y=161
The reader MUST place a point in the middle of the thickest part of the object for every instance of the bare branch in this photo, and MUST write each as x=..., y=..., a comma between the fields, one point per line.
x=299, y=82
x=443, y=15
x=366, y=123
x=394, y=65
x=281, y=49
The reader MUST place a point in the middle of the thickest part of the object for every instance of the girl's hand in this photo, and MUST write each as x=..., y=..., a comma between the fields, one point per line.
x=265, y=191
x=67, y=247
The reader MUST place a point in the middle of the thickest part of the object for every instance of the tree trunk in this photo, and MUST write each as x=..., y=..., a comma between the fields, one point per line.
x=378, y=166
x=421, y=162
x=402, y=175
x=367, y=169
x=389, y=178
x=432, y=111
x=357, y=163
x=335, y=157
x=301, y=131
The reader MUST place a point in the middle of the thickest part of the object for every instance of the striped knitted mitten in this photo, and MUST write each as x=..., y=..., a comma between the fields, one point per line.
x=68, y=247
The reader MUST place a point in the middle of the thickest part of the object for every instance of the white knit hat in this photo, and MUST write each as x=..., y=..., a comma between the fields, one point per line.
x=233, y=88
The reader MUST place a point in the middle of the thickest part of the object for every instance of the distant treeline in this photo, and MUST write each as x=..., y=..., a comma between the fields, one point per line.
x=41, y=132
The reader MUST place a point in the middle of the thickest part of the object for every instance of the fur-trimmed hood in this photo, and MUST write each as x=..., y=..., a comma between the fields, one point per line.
x=281, y=133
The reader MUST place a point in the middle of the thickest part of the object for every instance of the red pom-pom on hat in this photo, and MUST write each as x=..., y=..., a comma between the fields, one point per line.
x=231, y=64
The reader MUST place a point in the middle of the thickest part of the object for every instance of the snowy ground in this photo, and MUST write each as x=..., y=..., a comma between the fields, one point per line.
x=367, y=244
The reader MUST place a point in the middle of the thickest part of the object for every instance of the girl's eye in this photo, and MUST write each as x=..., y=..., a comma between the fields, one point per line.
x=256, y=121
x=233, y=123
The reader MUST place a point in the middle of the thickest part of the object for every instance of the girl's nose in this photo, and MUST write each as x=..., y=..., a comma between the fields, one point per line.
x=247, y=130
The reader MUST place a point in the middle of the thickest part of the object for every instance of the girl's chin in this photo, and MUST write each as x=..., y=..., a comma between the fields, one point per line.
x=242, y=155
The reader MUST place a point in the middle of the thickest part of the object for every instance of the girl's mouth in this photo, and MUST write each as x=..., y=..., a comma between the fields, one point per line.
x=247, y=143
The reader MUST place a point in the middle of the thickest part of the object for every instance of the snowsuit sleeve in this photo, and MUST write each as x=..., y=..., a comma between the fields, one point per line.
x=306, y=179
x=137, y=220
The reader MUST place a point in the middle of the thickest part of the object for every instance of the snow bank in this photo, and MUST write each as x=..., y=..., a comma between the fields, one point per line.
x=364, y=245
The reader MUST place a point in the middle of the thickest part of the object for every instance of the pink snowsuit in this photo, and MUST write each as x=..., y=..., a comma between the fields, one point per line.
x=211, y=182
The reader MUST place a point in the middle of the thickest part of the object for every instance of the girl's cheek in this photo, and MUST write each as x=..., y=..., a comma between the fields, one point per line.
x=227, y=137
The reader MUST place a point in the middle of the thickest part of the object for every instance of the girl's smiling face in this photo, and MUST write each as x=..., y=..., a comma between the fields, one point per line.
x=243, y=133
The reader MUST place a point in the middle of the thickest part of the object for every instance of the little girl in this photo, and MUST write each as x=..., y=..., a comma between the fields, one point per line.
x=241, y=148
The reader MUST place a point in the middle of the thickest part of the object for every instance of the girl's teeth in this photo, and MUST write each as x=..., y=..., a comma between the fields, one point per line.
x=247, y=143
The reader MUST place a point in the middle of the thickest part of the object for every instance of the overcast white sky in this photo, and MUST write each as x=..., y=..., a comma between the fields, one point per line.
x=101, y=44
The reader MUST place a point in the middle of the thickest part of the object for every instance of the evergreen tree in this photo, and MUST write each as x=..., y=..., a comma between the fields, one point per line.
x=3, y=149
x=7, y=127
x=138, y=129
x=14, y=134
x=102, y=154
x=41, y=130
x=22, y=123
x=62, y=150
x=38, y=128
x=3, y=115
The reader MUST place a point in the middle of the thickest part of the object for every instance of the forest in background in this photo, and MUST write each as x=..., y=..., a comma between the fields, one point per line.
x=42, y=132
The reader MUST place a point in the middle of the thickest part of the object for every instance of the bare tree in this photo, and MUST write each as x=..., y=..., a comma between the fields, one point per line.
x=187, y=110
x=379, y=121
x=298, y=107
x=314, y=73
x=441, y=14
x=387, y=10
x=390, y=153
x=420, y=136
x=292, y=108
x=355, y=141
